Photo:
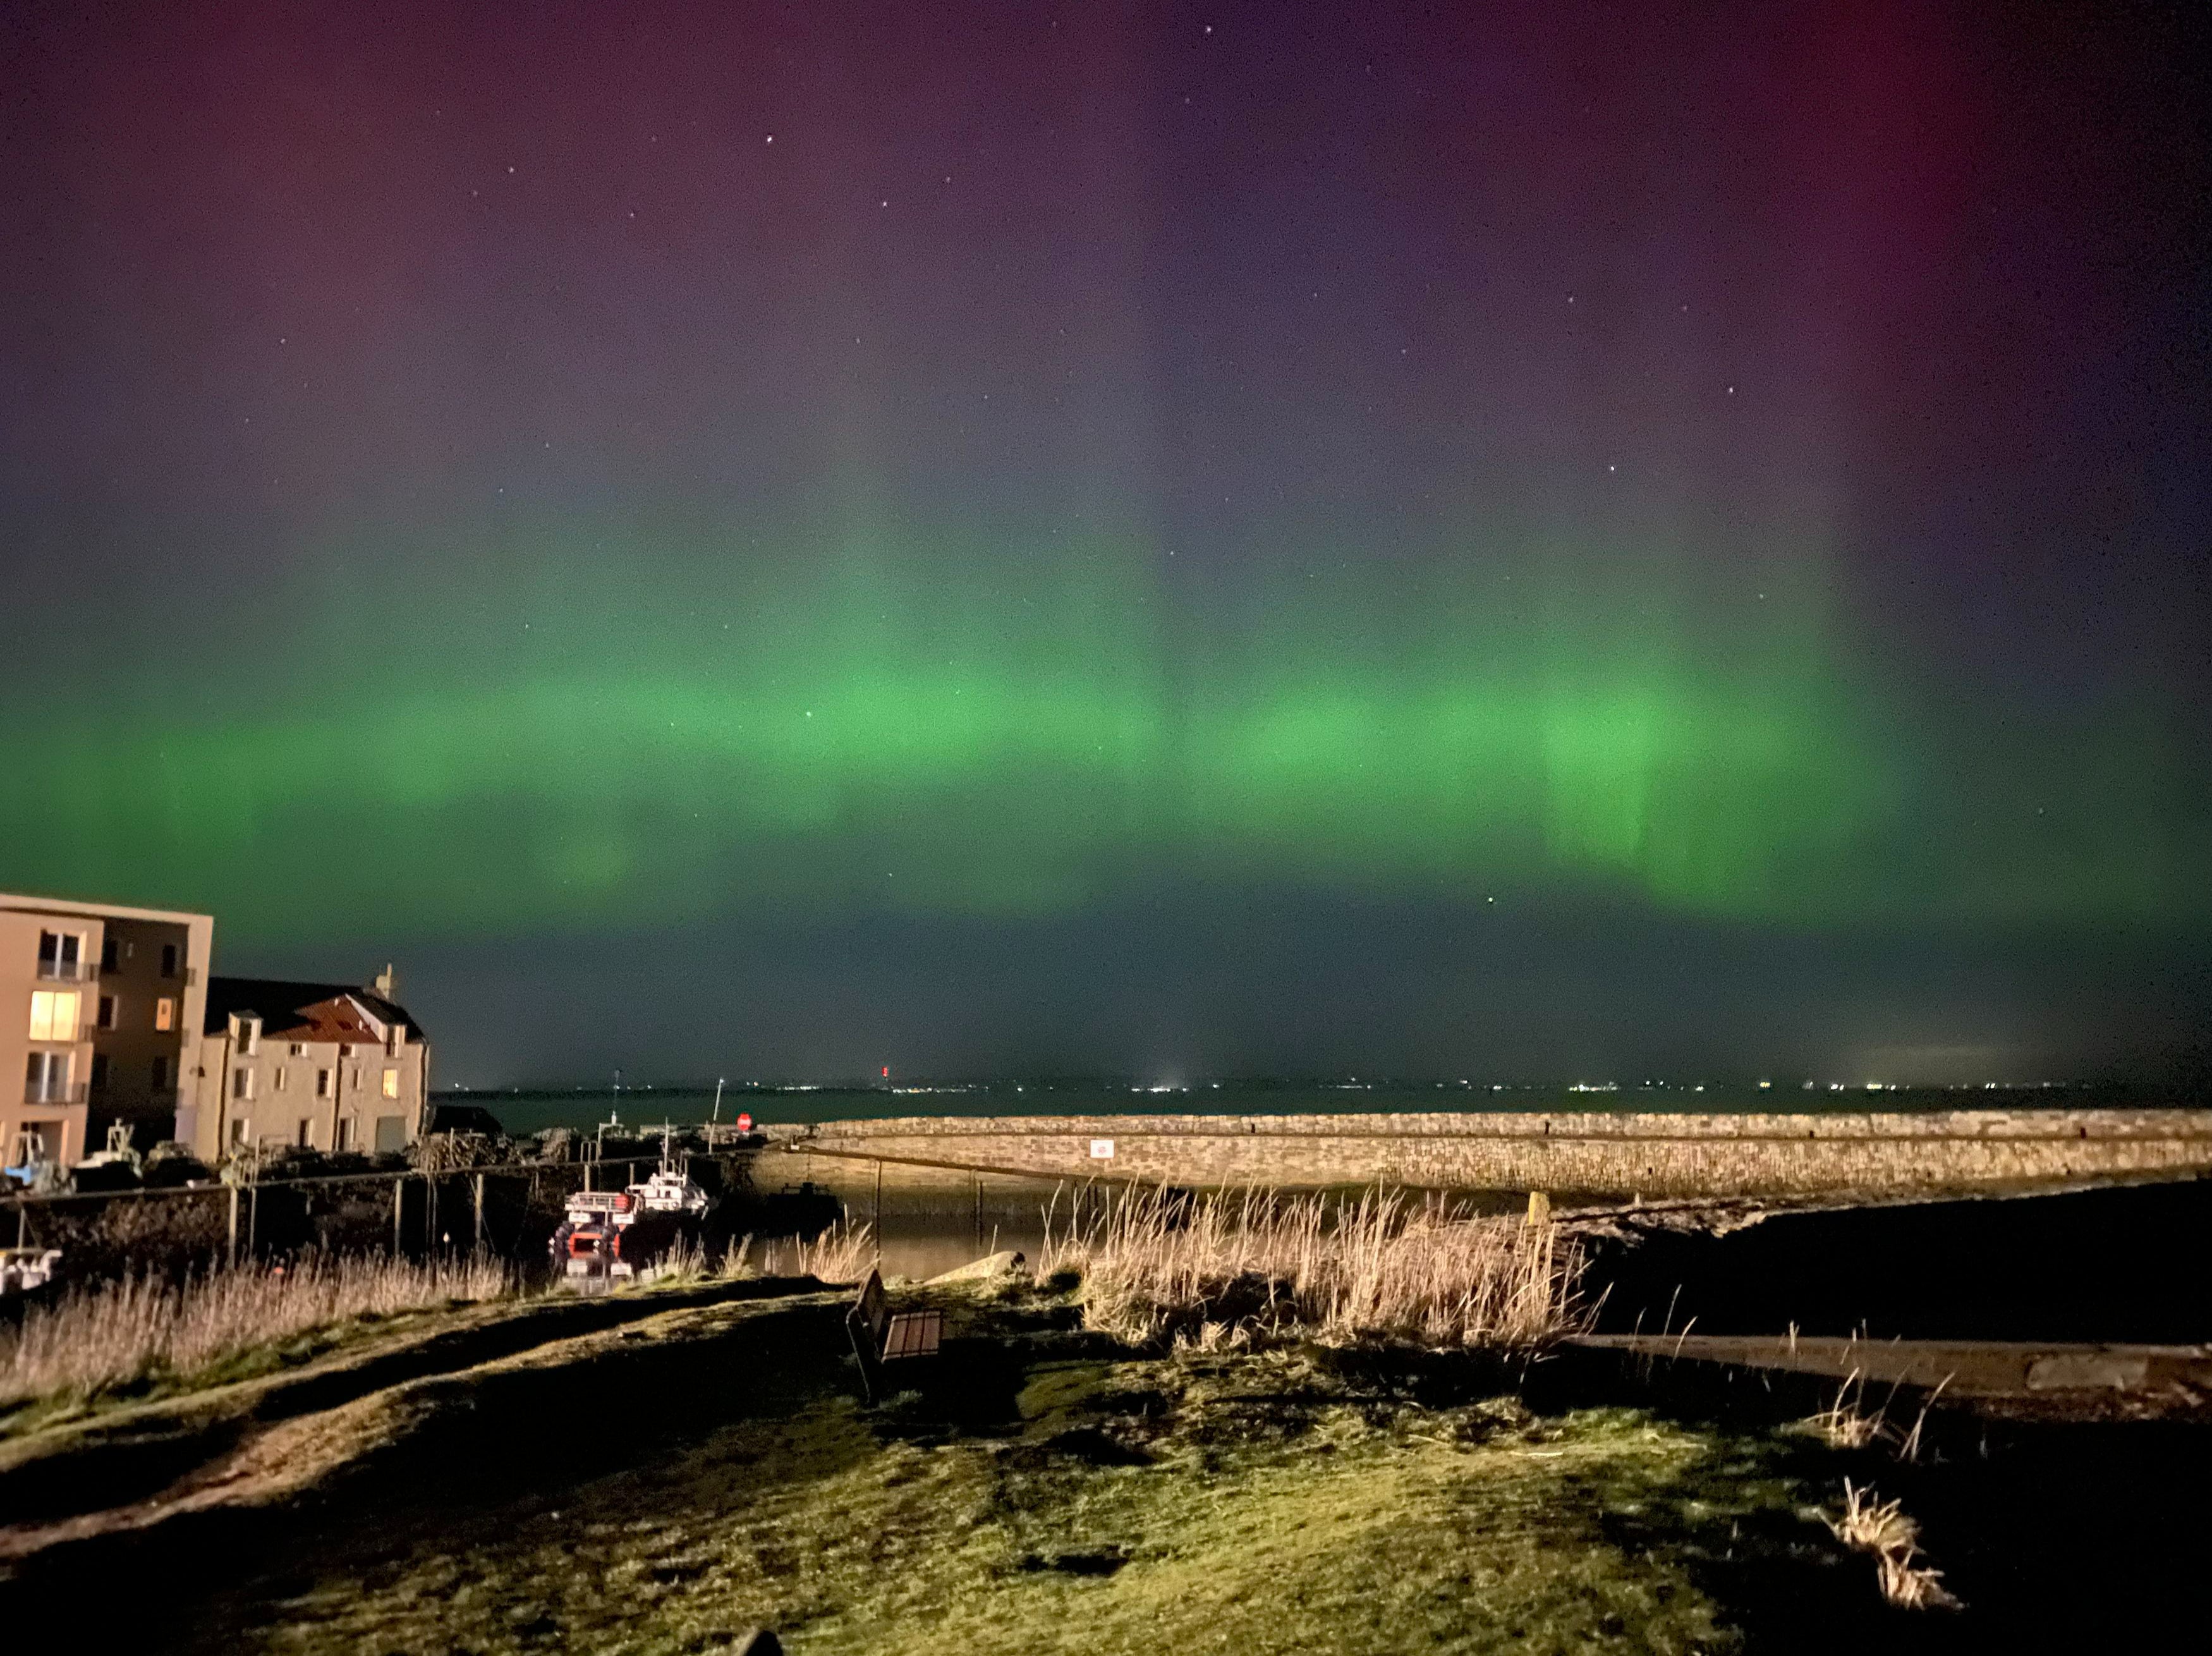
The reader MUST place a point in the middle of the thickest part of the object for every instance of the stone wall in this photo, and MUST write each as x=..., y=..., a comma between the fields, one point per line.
x=1655, y=1157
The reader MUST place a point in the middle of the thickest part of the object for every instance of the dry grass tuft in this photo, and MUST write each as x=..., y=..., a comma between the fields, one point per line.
x=1229, y=1269
x=842, y=1253
x=142, y=1327
x=1883, y=1530
x=1844, y=1425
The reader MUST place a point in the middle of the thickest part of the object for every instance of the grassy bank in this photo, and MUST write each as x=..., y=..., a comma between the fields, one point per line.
x=1296, y=1499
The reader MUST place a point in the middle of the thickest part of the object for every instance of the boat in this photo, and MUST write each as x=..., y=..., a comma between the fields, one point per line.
x=118, y=1167
x=614, y=1232
x=22, y=1269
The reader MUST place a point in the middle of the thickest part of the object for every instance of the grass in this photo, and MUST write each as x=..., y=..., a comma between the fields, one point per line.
x=1882, y=1528
x=1260, y=1501
x=135, y=1333
x=1227, y=1269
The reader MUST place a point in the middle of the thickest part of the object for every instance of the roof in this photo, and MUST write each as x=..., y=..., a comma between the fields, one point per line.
x=305, y=1012
x=24, y=904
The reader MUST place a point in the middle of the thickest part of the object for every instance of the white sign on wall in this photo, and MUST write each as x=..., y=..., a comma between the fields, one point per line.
x=1102, y=1149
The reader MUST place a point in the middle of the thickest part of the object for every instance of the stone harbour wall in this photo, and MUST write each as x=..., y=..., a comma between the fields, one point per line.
x=1654, y=1157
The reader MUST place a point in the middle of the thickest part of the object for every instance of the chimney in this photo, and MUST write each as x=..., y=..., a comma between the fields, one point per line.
x=385, y=982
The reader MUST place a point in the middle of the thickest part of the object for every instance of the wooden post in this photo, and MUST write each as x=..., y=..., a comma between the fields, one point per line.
x=398, y=1207
x=480, y=1228
x=233, y=1225
x=252, y=1217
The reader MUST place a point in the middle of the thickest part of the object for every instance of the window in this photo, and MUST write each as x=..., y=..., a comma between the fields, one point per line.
x=277, y=1081
x=165, y=1013
x=345, y=1049
x=61, y=956
x=306, y=1133
x=161, y=1075
x=345, y=1132
x=353, y=1080
x=53, y=1014
x=100, y=1071
x=108, y=954
x=298, y=1050
x=391, y=1134
x=391, y=1083
x=107, y=1012
x=242, y=1083
x=322, y=1083
x=241, y=1129
x=47, y=1080
x=168, y=959
x=249, y=1036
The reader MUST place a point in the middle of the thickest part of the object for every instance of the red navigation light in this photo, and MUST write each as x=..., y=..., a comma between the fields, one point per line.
x=744, y=1122
x=887, y=1072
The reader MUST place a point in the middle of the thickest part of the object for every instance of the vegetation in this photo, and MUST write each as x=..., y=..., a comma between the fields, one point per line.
x=1229, y=1269
x=1283, y=1500
x=141, y=1330
x=1882, y=1528
x=843, y=1253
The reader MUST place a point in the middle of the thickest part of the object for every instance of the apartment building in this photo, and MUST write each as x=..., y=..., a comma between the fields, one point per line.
x=99, y=1007
x=319, y=1066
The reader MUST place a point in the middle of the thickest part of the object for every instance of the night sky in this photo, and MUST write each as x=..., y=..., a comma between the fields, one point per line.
x=1226, y=539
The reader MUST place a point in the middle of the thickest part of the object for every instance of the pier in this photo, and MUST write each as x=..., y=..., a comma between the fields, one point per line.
x=1869, y=1156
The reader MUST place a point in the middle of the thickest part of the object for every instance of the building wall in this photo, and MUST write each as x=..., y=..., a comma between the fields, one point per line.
x=1623, y=1156
x=126, y=1084
x=60, y=1123
x=282, y=1101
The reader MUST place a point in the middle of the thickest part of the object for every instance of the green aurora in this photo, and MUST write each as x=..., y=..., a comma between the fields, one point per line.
x=617, y=727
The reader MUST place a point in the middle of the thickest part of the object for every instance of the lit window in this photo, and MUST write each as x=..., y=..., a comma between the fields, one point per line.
x=165, y=1013
x=53, y=1014
x=391, y=1083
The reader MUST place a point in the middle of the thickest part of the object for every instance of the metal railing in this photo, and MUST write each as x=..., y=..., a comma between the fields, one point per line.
x=64, y=971
x=54, y=1092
